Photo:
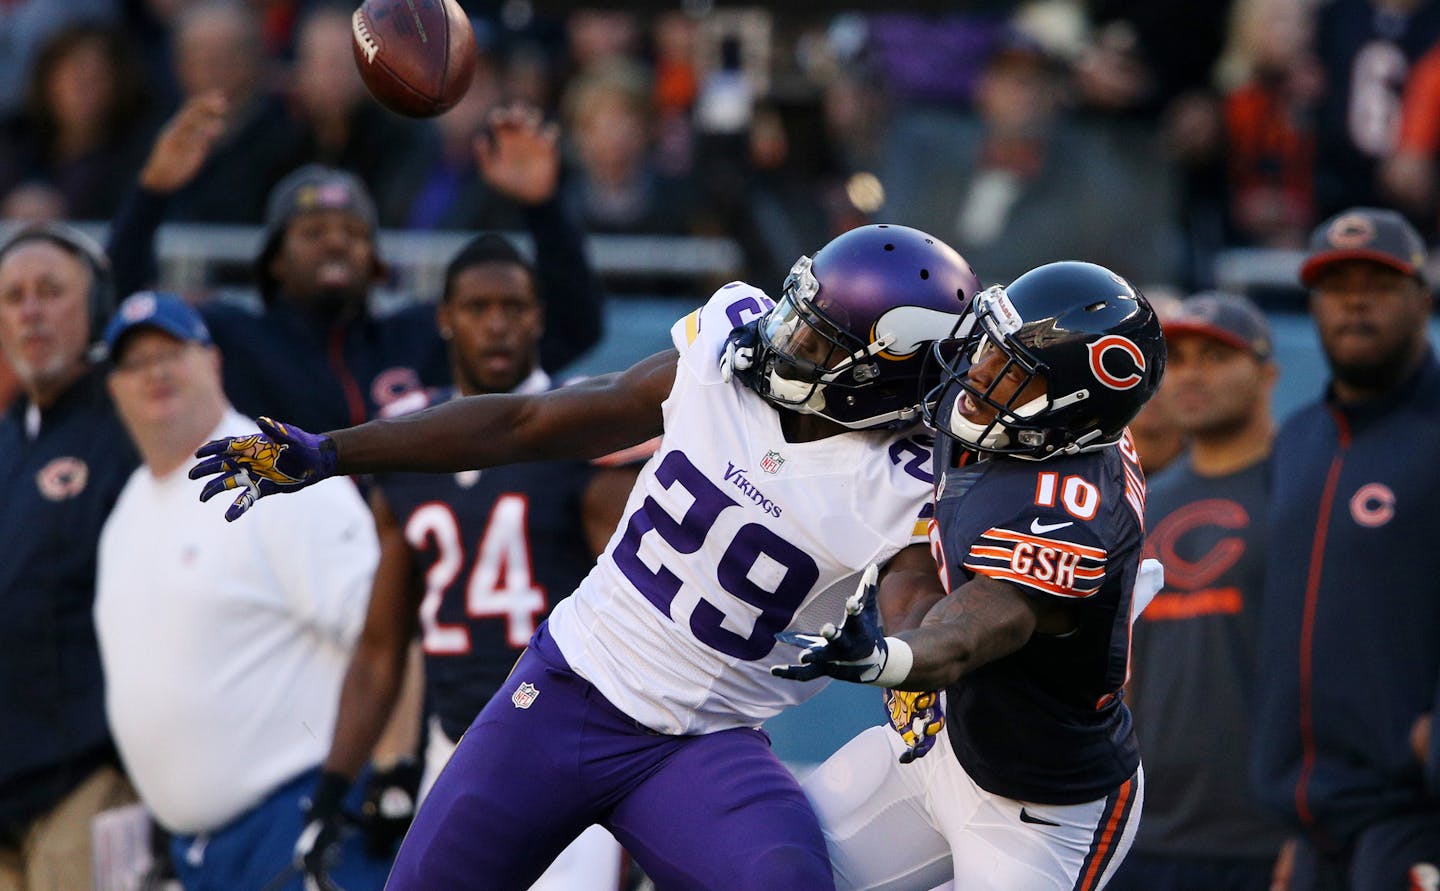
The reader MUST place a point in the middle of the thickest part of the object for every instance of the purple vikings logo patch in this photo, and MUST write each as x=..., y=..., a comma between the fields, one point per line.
x=771, y=462
x=524, y=695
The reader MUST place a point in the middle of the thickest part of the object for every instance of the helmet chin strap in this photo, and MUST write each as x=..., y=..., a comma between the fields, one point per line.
x=991, y=435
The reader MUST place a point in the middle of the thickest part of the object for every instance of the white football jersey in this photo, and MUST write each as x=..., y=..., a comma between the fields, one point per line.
x=730, y=535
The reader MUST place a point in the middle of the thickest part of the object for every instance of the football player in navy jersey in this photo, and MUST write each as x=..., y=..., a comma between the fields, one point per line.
x=1039, y=505
x=792, y=460
x=471, y=562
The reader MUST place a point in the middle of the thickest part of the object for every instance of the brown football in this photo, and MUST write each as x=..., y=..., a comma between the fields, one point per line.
x=417, y=57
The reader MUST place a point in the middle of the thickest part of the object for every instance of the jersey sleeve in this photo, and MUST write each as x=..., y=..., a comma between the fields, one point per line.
x=1058, y=556
x=920, y=533
x=700, y=336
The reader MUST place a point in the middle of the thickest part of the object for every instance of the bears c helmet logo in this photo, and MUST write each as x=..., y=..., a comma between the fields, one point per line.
x=1099, y=349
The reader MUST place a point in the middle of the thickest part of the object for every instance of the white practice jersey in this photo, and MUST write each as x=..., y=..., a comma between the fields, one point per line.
x=730, y=535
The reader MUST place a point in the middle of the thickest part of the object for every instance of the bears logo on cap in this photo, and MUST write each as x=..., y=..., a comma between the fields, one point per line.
x=1351, y=231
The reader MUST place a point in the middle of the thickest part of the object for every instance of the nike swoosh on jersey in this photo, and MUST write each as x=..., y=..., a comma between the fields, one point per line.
x=1039, y=528
x=1026, y=817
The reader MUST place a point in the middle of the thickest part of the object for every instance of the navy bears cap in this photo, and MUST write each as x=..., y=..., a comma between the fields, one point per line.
x=1365, y=233
x=1228, y=318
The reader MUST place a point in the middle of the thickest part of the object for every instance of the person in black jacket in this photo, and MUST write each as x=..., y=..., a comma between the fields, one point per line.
x=1349, y=676
x=64, y=458
x=318, y=262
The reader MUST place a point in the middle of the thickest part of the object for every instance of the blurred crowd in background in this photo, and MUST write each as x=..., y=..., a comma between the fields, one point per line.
x=1140, y=135
x=1155, y=138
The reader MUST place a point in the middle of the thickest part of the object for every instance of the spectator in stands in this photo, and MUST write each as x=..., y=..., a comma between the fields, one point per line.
x=787, y=192
x=339, y=125
x=1145, y=78
x=597, y=38
x=197, y=625
x=319, y=261
x=617, y=187
x=33, y=202
x=1350, y=674
x=63, y=459
x=27, y=203
x=1272, y=85
x=453, y=195
x=933, y=59
x=1156, y=430
x=1366, y=49
x=1019, y=184
x=218, y=50
x=1193, y=675
x=677, y=80
x=1409, y=174
x=25, y=26
x=528, y=72
x=83, y=128
x=1144, y=58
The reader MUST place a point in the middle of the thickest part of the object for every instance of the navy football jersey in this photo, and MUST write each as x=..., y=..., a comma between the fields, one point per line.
x=1046, y=723
x=495, y=550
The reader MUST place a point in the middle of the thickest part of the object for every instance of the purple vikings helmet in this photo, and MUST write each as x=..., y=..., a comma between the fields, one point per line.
x=1086, y=331
x=849, y=337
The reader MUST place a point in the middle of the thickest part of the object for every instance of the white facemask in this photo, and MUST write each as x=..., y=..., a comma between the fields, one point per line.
x=968, y=431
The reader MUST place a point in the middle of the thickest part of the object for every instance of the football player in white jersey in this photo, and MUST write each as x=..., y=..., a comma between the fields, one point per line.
x=791, y=461
x=1039, y=504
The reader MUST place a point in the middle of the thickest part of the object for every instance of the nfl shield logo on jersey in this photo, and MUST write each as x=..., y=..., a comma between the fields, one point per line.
x=771, y=462
x=524, y=696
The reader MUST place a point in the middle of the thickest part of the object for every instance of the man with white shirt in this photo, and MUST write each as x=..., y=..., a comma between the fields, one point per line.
x=223, y=656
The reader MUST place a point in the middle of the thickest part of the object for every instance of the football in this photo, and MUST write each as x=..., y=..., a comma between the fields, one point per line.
x=417, y=57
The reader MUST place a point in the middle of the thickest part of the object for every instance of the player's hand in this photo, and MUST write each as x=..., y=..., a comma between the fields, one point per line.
x=389, y=806
x=738, y=360
x=856, y=651
x=917, y=717
x=318, y=846
x=519, y=154
x=185, y=142
x=280, y=458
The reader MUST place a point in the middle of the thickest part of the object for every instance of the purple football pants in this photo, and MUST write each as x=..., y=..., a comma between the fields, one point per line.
x=715, y=811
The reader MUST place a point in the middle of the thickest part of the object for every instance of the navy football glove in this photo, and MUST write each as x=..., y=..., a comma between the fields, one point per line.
x=856, y=651
x=318, y=846
x=389, y=806
x=280, y=458
x=917, y=717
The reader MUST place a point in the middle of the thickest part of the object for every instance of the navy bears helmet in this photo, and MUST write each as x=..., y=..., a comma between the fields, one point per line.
x=1088, y=333
x=849, y=336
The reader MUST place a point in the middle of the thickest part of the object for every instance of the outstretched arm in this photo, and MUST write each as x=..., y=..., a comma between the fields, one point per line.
x=587, y=420
x=601, y=415
x=983, y=620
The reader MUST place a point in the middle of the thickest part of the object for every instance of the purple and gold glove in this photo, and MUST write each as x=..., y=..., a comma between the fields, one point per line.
x=917, y=717
x=280, y=458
